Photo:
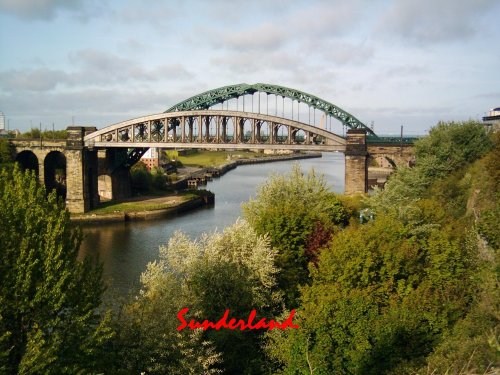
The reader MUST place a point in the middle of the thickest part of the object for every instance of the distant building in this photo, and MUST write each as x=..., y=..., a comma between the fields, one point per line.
x=151, y=158
x=492, y=119
x=2, y=121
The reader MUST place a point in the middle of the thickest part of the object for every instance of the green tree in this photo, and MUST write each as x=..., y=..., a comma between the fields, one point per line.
x=48, y=299
x=446, y=151
x=230, y=270
x=141, y=178
x=159, y=179
x=6, y=153
x=451, y=145
x=380, y=301
x=147, y=340
x=288, y=209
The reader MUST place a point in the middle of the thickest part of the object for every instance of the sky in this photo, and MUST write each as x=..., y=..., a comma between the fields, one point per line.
x=390, y=63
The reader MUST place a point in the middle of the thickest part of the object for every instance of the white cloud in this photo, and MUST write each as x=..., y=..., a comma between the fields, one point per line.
x=40, y=79
x=93, y=68
x=435, y=21
x=47, y=10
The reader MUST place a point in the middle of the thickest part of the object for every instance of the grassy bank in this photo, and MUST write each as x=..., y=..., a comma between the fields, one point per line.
x=142, y=205
x=216, y=158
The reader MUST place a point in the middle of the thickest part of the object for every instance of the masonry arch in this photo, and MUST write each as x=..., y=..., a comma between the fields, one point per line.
x=54, y=167
x=27, y=160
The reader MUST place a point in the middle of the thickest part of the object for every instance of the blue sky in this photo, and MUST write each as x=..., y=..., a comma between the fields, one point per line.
x=406, y=62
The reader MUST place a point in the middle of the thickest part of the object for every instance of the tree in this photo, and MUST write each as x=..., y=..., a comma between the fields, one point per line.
x=159, y=179
x=48, y=299
x=447, y=149
x=141, y=178
x=230, y=270
x=147, y=340
x=380, y=301
x=451, y=145
x=293, y=209
x=6, y=153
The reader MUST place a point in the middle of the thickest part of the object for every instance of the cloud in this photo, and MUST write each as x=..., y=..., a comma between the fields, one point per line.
x=90, y=106
x=435, y=21
x=47, y=10
x=285, y=27
x=103, y=67
x=489, y=95
x=157, y=15
x=93, y=67
x=267, y=36
x=341, y=53
x=41, y=79
x=246, y=62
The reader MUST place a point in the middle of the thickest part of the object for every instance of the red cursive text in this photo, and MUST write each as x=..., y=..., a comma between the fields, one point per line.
x=234, y=323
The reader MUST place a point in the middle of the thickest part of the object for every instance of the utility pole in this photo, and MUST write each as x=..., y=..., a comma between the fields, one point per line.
x=401, y=149
x=41, y=143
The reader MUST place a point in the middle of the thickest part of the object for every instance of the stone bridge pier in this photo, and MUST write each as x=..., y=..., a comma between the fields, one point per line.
x=356, y=162
x=92, y=174
x=114, y=180
x=81, y=171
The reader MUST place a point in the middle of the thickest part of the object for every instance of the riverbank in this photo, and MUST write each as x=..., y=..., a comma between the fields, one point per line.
x=145, y=208
x=150, y=208
x=192, y=172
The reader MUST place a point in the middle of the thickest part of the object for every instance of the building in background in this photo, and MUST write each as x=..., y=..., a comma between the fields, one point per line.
x=2, y=121
x=151, y=158
x=3, y=132
x=492, y=119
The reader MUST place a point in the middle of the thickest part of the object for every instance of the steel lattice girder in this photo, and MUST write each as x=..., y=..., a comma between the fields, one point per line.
x=209, y=98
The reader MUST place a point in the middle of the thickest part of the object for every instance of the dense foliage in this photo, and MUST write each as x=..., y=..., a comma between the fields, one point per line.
x=295, y=210
x=380, y=287
x=6, y=153
x=48, y=299
x=145, y=181
x=230, y=270
x=415, y=290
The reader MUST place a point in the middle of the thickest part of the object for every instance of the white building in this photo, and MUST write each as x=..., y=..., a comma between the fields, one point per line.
x=2, y=121
x=492, y=119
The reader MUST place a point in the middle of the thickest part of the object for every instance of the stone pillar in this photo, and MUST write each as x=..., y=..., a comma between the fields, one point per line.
x=81, y=172
x=114, y=178
x=356, y=162
x=41, y=166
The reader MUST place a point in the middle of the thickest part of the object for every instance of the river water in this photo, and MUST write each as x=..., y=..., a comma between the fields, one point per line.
x=125, y=248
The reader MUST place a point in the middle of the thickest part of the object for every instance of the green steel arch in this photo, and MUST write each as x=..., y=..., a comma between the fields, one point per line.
x=209, y=98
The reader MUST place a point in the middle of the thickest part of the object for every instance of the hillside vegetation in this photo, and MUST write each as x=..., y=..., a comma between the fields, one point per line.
x=413, y=289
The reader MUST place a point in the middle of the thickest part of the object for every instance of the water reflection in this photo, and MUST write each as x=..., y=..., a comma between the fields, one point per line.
x=126, y=248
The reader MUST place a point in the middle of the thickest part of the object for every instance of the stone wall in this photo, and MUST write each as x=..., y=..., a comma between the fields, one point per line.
x=399, y=155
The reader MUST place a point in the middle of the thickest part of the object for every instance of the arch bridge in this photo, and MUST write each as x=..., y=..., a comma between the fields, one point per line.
x=230, y=117
x=216, y=129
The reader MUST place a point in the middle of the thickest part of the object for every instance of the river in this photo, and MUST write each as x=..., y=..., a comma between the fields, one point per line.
x=125, y=248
